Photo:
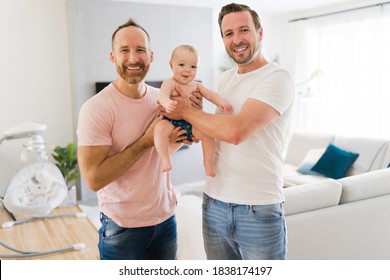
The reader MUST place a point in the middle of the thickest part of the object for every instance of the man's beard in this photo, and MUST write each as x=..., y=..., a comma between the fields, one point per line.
x=133, y=78
x=244, y=59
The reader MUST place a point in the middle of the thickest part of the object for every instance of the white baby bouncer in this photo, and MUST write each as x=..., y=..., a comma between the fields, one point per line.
x=35, y=189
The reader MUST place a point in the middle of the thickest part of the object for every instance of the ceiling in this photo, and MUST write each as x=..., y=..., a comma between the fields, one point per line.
x=271, y=7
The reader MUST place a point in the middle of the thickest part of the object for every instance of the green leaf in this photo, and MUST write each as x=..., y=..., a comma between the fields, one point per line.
x=66, y=160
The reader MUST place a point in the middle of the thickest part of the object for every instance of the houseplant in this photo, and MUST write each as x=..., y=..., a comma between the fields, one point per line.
x=66, y=160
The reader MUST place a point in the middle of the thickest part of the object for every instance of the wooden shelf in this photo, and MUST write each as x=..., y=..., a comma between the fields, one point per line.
x=51, y=234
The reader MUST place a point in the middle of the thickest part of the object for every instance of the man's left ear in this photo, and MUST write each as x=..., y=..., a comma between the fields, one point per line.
x=112, y=57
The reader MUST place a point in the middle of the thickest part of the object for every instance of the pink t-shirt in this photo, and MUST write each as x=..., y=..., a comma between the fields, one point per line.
x=141, y=196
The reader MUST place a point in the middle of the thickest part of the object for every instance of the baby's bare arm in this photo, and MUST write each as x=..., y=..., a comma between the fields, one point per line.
x=214, y=97
x=166, y=89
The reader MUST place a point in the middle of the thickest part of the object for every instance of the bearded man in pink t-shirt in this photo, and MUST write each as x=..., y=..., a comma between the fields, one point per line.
x=118, y=160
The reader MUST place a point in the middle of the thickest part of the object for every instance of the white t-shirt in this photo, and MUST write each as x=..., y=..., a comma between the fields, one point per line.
x=141, y=196
x=251, y=173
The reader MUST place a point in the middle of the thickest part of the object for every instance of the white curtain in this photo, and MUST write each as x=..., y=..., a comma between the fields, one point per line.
x=347, y=66
x=298, y=43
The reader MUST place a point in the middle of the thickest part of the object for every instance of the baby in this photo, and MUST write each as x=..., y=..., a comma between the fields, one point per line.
x=184, y=64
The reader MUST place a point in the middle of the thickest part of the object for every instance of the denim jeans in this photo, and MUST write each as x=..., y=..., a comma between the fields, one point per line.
x=235, y=231
x=157, y=242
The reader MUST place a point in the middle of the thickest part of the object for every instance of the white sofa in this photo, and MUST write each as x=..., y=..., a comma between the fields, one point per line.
x=347, y=218
x=373, y=154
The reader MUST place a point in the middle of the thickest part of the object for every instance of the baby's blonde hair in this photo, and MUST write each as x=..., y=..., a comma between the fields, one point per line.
x=184, y=47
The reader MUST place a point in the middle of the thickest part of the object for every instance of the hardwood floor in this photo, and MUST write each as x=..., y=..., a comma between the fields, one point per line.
x=51, y=234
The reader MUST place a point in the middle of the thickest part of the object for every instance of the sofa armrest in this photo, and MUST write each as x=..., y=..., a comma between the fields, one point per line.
x=311, y=196
x=366, y=185
x=382, y=160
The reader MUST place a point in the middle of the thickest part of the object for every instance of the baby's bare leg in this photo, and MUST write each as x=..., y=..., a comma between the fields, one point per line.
x=208, y=147
x=162, y=130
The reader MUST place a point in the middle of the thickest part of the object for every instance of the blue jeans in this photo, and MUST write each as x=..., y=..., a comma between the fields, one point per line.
x=157, y=242
x=243, y=232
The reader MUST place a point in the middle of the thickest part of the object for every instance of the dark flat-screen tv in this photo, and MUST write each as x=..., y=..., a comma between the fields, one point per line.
x=101, y=85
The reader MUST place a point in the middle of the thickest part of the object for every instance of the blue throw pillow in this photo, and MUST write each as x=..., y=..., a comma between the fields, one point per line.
x=388, y=165
x=335, y=162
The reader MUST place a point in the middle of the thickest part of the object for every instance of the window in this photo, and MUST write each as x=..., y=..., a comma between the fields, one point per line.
x=350, y=95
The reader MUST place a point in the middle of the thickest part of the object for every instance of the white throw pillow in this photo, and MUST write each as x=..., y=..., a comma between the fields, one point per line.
x=309, y=161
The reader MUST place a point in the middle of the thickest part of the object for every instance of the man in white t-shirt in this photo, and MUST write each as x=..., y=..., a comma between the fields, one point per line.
x=118, y=160
x=243, y=215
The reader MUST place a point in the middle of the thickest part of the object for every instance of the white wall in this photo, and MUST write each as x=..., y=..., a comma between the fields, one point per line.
x=34, y=75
